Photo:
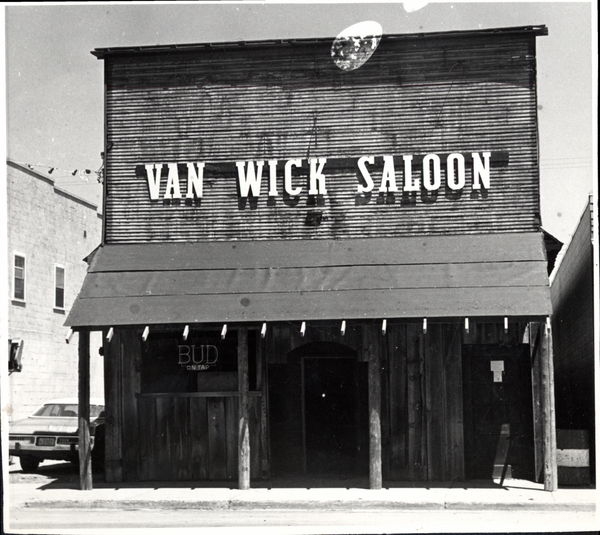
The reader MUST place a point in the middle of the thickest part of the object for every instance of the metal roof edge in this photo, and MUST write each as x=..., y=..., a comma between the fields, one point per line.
x=101, y=53
x=567, y=245
x=111, y=245
x=257, y=324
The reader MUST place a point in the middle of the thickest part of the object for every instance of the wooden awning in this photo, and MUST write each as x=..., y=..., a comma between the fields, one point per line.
x=268, y=281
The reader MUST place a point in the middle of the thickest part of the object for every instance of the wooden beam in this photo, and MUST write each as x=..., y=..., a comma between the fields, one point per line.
x=262, y=387
x=243, y=437
x=435, y=398
x=417, y=417
x=131, y=355
x=113, y=469
x=303, y=412
x=453, y=404
x=550, y=468
x=536, y=385
x=371, y=347
x=85, y=449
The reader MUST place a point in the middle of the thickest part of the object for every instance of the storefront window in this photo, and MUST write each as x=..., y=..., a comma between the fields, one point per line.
x=202, y=363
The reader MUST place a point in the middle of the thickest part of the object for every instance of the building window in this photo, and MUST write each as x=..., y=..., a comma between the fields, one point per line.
x=19, y=277
x=59, y=287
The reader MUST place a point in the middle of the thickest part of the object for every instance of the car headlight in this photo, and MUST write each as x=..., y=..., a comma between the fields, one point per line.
x=21, y=438
x=67, y=440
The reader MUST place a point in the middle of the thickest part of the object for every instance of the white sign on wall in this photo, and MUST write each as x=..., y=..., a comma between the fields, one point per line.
x=257, y=177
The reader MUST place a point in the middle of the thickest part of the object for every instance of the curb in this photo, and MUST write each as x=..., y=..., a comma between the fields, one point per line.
x=334, y=505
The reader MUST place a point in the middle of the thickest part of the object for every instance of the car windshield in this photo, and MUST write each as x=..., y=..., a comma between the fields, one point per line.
x=66, y=410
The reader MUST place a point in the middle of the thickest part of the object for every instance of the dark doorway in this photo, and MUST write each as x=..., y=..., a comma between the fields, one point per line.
x=318, y=413
x=331, y=415
x=498, y=412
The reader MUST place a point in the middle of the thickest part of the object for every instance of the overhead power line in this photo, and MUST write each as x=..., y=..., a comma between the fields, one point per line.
x=84, y=174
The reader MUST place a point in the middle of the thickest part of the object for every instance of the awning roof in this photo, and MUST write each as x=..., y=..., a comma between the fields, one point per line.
x=415, y=277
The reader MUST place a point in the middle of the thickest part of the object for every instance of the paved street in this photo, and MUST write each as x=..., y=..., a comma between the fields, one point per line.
x=49, y=502
x=314, y=521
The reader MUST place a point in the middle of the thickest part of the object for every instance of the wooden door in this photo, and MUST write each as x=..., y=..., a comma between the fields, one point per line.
x=498, y=416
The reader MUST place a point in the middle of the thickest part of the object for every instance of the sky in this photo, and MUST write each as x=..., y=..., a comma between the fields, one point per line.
x=54, y=86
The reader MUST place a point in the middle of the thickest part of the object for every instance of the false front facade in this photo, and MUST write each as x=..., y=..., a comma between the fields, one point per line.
x=316, y=271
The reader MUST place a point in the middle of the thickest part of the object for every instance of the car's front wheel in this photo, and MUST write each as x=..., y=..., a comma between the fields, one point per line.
x=29, y=464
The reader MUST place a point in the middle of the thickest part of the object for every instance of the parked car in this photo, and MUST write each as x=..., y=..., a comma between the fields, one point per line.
x=51, y=432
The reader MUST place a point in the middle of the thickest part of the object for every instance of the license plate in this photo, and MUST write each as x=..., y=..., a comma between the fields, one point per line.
x=45, y=441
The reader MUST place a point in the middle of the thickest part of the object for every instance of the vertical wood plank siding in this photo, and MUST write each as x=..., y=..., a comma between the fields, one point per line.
x=192, y=438
x=113, y=390
x=170, y=437
x=423, y=410
x=131, y=355
x=416, y=97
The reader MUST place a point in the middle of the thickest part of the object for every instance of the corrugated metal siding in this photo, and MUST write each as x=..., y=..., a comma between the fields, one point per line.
x=428, y=96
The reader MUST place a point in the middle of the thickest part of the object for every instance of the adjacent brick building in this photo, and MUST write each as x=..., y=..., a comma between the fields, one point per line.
x=572, y=293
x=50, y=232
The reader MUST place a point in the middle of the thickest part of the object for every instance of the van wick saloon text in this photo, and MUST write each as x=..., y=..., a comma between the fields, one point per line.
x=250, y=176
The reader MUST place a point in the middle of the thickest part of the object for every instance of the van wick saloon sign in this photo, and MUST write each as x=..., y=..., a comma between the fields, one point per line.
x=417, y=173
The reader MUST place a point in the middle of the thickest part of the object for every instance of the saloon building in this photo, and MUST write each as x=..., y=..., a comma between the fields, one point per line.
x=323, y=258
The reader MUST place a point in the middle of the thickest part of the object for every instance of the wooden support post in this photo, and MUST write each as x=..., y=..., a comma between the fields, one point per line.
x=371, y=348
x=243, y=436
x=533, y=330
x=85, y=449
x=547, y=365
x=113, y=395
x=261, y=386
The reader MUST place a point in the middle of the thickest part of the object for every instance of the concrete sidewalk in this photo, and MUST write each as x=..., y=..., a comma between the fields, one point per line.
x=476, y=496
